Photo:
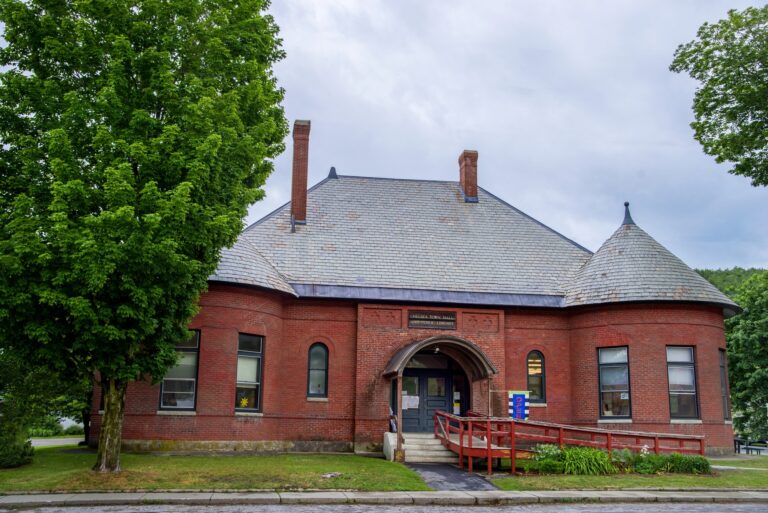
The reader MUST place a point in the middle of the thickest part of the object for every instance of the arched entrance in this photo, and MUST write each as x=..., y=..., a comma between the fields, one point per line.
x=434, y=374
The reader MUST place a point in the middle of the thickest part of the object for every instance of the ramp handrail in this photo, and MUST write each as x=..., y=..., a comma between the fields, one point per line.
x=498, y=437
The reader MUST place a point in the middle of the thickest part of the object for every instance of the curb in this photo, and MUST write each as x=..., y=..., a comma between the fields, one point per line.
x=452, y=498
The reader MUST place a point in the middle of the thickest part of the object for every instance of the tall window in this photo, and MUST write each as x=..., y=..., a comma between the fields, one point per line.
x=724, y=386
x=250, y=352
x=682, y=383
x=177, y=391
x=536, y=379
x=317, y=371
x=613, y=365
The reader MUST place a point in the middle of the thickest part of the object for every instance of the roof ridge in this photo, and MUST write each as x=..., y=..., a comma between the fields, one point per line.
x=281, y=207
x=509, y=205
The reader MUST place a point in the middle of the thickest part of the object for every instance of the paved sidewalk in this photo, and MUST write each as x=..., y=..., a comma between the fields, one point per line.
x=50, y=442
x=440, y=476
x=452, y=498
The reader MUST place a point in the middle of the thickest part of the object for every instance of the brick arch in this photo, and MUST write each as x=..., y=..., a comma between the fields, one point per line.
x=475, y=362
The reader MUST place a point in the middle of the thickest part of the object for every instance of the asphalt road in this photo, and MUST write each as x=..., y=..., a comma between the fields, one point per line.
x=49, y=442
x=549, y=508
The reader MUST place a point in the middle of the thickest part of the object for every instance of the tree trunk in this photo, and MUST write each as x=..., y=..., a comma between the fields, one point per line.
x=110, y=436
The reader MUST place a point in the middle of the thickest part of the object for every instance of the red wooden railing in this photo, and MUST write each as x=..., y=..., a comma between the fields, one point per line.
x=499, y=437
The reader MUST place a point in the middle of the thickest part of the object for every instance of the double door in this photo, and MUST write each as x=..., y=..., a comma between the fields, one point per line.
x=424, y=392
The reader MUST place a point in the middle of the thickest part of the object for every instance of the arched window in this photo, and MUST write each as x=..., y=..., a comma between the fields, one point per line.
x=317, y=371
x=536, y=380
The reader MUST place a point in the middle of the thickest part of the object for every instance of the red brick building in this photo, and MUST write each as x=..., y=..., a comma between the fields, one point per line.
x=360, y=288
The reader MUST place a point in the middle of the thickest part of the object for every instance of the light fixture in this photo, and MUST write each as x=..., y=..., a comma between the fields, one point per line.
x=437, y=349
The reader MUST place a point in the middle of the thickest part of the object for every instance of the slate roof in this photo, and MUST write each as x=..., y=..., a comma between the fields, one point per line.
x=632, y=266
x=418, y=240
x=243, y=264
x=407, y=239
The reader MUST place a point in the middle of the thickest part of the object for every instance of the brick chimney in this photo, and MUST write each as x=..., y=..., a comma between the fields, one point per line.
x=468, y=175
x=299, y=179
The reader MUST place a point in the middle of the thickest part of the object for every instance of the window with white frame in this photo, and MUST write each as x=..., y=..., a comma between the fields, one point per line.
x=613, y=377
x=250, y=354
x=681, y=370
x=179, y=387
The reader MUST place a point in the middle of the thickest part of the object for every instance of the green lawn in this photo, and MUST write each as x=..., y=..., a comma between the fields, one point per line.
x=64, y=468
x=754, y=479
x=756, y=462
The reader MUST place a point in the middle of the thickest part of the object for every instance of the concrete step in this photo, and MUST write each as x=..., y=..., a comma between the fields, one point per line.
x=418, y=436
x=422, y=441
x=432, y=459
x=436, y=454
x=426, y=447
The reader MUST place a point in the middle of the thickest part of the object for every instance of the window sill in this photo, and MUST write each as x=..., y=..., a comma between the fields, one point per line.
x=685, y=421
x=728, y=423
x=317, y=399
x=248, y=414
x=537, y=405
x=180, y=413
x=614, y=421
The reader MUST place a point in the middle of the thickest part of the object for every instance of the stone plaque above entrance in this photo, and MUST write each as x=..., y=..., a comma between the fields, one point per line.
x=432, y=320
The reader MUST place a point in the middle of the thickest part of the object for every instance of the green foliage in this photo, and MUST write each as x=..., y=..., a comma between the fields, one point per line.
x=551, y=466
x=624, y=460
x=729, y=59
x=15, y=453
x=671, y=463
x=46, y=426
x=647, y=463
x=728, y=280
x=586, y=461
x=747, y=335
x=74, y=429
x=652, y=464
x=135, y=135
x=689, y=464
x=543, y=452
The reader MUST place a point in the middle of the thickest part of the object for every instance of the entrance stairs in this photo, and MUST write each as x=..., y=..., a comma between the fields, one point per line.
x=425, y=448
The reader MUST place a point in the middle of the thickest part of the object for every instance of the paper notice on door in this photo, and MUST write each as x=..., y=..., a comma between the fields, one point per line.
x=410, y=402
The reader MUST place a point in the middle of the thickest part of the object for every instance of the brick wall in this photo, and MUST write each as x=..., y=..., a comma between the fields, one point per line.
x=646, y=330
x=362, y=338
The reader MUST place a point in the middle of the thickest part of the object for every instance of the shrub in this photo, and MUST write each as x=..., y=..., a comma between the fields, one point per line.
x=551, y=467
x=672, y=463
x=652, y=464
x=15, y=454
x=586, y=461
x=75, y=429
x=46, y=426
x=547, y=452
x=624, y=459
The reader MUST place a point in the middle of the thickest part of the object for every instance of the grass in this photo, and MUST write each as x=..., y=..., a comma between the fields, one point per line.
x=731, y=479
x=68, y=469
x=756, y=462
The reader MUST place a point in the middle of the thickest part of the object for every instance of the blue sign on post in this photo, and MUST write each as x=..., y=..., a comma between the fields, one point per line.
x=518, y=404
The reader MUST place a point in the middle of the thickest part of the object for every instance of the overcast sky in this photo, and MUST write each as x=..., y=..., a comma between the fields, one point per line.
x=571, y=106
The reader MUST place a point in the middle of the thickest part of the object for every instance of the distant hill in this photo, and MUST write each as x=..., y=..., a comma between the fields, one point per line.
x=728, y=280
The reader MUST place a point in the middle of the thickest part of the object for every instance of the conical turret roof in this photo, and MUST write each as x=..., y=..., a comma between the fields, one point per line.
x=632, y=266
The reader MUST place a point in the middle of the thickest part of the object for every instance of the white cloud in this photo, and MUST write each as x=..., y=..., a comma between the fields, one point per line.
x=571, y=105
